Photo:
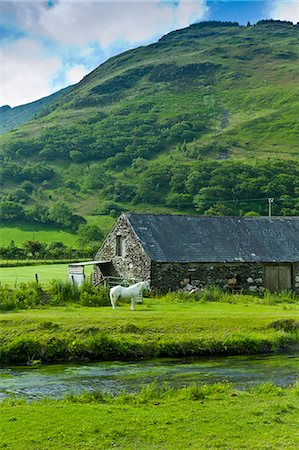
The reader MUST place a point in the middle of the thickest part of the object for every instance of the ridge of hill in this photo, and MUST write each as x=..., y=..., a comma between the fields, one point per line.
x=204, y=120
x=11, y=118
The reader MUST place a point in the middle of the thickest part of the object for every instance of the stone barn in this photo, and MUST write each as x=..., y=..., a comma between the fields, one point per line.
x=179, y=251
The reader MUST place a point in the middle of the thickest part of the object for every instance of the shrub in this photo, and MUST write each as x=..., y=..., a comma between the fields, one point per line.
x=25, y=296
x=213, y=294
x=29, y=295
x=22, y=349
x=61, y=292
x=92, y=296
x=287, y=325
x=7, y=299
x=56, y=293
x=273, y=298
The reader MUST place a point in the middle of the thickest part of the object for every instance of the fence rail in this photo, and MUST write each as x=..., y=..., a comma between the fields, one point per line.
x=115, y=281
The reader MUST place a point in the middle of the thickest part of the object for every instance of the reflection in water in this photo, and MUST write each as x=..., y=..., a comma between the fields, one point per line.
x=60, y=379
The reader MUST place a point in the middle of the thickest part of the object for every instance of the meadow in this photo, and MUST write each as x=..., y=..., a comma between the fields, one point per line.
x=13, y=276
x=160, y=327
x=20, y=231
x=156, y=417
x=196, y=417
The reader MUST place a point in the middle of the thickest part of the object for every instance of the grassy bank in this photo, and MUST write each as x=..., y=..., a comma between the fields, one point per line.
x=156, y=329
x=197, y=417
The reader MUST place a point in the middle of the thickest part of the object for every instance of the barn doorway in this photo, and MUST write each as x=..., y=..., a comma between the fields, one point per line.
x=278, y=278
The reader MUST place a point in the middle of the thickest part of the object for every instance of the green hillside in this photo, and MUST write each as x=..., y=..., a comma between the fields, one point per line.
x=11, y=118
x=205, y=120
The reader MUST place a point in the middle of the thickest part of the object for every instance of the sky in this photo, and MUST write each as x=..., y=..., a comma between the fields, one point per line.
x=47, y=45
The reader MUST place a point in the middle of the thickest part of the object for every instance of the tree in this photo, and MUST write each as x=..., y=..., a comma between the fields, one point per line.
x=112, y=209
x=38, y=213
x=11, y=251
x=11, y=210
x=219, y=209
x=33, y=248
x=89, y=234
x=181, y=201
x=61, y=214
x=57, y=250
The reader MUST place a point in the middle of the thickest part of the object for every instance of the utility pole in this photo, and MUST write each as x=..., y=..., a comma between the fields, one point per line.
x=270, y=201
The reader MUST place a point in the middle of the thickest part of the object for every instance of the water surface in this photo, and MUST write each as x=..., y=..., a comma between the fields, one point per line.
x=60, y=379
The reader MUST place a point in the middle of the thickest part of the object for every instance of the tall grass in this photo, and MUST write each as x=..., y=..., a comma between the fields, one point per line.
x=216, y=294
x=56, y=293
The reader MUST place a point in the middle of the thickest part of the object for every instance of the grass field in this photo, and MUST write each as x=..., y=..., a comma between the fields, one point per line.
x=22, y=231
x=197, y=417
x=13, y=276
x=155, y=329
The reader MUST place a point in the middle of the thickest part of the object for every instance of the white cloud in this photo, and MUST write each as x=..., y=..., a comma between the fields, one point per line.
x=76, y=23
x=285, y=10
x=80, y=34
x=25, y=71
x=75, y=74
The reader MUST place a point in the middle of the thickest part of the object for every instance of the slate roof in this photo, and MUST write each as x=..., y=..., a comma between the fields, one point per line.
x=182, y=238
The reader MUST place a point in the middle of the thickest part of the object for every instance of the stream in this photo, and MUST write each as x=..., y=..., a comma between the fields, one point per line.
x=59, y=379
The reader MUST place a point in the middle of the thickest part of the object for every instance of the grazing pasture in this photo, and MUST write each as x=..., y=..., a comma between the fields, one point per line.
x=19, y=231
x=157, y=328
x=13, y=276
x=22, y=231
x=196, y=417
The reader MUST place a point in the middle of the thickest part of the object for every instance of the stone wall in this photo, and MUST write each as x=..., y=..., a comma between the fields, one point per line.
x=296, y=277
x=231, y=277
x=134, y=263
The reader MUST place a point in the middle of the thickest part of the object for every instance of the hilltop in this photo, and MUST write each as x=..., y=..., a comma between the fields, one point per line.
x=203, y=120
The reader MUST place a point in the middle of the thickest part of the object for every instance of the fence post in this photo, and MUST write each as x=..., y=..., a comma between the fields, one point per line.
x=36, y=278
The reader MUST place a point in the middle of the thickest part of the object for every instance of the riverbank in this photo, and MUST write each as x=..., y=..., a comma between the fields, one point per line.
x=197, y=417
x=156, y=329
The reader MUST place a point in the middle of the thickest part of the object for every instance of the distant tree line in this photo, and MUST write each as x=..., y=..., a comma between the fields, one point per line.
x=89, y=240
x=215, y=188
x=58, y=214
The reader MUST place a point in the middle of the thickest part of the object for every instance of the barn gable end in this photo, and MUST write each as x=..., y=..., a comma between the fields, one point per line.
x=125, y=253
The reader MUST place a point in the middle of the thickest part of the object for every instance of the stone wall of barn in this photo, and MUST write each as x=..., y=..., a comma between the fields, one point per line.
x=231, y=277
x=134, y=263
x=296, y=278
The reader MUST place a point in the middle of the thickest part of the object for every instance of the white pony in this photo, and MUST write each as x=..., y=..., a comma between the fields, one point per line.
x=134, y=292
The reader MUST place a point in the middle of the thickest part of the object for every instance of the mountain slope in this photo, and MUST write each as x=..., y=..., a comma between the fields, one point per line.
x=205, y=119
x=11, y=118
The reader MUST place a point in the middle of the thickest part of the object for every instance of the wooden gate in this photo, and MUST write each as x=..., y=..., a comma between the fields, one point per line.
x=278, y=278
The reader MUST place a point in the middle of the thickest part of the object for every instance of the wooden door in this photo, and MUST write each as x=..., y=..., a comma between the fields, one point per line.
x=278, y=278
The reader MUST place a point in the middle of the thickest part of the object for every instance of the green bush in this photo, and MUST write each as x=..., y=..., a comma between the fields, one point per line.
x=29, y=295
x=25, y=296
x=213, y=294
x=56, y=293
x=92, y=296
x=287, y=325
x=7, y=299
x=21, y=350
x=61, y=292
x=273, y=298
